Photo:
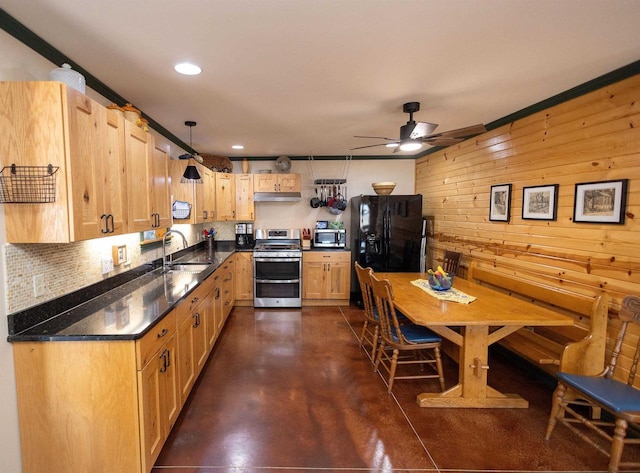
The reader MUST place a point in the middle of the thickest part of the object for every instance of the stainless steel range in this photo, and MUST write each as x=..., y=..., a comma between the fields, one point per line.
x=277, y=268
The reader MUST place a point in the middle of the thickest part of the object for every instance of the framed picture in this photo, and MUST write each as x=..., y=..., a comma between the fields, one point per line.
x=540, y=202
x=600, y=202
x=500, y=205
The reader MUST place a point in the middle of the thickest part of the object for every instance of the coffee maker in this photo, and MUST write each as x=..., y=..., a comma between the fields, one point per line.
x=244, y=236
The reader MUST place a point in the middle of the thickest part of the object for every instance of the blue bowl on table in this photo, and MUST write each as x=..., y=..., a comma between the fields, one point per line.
x=442, y=283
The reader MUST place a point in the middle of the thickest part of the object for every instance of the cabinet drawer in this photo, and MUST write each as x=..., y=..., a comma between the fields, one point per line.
x=151, y=342
x=193, y=300
x=326, y=256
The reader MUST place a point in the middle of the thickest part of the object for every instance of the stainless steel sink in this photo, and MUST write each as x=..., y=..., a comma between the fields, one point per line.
x=193, y=268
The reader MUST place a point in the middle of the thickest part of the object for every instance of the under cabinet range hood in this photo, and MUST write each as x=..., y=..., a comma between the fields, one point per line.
x=276, y=196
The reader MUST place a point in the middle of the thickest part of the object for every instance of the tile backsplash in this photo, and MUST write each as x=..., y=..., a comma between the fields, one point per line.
x=72, y=266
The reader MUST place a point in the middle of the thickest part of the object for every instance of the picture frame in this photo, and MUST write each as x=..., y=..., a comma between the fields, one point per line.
x=600, y=202
x=500, y=203
x=540, y=202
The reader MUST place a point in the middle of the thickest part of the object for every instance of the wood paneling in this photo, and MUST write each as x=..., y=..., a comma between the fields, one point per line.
x=594, y=137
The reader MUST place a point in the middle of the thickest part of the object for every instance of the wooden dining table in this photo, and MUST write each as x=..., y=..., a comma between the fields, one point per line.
x=473, y=328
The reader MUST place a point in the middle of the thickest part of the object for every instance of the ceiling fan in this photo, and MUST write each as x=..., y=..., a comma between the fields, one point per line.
x=414, y=134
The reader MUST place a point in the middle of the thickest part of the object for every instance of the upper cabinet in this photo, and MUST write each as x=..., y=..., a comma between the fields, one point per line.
x=269, y=182
x=225, y=196
x=201, y=197
x=46, y=123
x=245, y=209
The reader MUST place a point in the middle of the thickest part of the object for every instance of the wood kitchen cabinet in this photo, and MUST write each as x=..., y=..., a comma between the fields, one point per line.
x=148, y=187
x=245, y=207
x=201, y=196
x=326, y=277
x=48, y=123
x=270, y=182
x=244, y=278
x=228, y=287
x=225, y=196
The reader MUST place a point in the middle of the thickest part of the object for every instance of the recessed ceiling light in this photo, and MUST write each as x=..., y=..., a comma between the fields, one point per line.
x=238, y=147
x=187, y=69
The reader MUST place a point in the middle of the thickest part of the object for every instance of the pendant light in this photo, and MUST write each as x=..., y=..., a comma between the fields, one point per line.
x=191, y=173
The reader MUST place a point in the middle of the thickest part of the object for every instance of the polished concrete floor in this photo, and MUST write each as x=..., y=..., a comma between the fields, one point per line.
x=291, y=391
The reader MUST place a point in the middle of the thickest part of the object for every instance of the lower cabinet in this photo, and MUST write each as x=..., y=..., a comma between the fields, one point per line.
x=326, y=277
x=109, y=406
x=244, y=278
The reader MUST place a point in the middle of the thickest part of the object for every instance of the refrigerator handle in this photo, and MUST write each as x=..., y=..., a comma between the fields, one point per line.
x=423, y=247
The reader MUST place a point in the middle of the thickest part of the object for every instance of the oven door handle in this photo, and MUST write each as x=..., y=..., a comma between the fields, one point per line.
x=276, y=260
x=277, y=281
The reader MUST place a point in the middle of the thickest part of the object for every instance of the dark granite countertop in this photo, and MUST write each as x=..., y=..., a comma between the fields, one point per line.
x=127, y=311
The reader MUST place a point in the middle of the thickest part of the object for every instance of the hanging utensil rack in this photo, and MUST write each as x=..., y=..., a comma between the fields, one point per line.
x=28, y=184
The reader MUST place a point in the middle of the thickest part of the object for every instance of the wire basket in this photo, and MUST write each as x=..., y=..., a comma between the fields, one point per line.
x=181, y=210
x=28, y=184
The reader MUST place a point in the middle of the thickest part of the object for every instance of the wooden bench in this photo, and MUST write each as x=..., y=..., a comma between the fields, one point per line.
x=578, y=349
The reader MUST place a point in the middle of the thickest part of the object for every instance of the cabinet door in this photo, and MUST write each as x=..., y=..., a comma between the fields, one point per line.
x=244, y=197
x=187, y=371
x=288, y=182
x=160, y=188
x=225, y=196
x=265, y=182
x=244, y=276
x=115, y=174
x=139, y=179
x=313, y=279
x=228, y=289
x=85, y=166
x=158, y=400
x=208, y=195
x=338, y=280
x=200, y=341
x=185, y=192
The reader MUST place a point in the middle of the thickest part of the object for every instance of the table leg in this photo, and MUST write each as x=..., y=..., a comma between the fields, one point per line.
x=472, y=389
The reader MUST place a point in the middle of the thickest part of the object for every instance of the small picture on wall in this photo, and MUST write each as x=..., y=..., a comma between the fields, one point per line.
x=600, y=202
x=540, y=202
x=500, y=204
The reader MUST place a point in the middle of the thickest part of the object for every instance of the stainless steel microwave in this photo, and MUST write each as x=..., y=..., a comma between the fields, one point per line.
x=330, y=238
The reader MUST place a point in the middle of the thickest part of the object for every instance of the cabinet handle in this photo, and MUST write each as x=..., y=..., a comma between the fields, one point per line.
x=168, y=358
x=194, y=300
x=205, y=214
x=163, y=357
x=217, y=293
x=196, y=317
x=106, y=223
x=113, y=225
x=163, y=333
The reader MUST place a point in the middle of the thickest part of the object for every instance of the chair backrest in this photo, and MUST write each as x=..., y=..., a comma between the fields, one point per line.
x=451, y=261
x=383, y=295
x=364, y=280
x=629, y=313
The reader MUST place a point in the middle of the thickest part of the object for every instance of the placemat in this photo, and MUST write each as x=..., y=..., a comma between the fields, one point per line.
x=453, y=294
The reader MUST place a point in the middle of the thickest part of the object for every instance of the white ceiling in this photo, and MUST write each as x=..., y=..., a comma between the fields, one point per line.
x=301, y=77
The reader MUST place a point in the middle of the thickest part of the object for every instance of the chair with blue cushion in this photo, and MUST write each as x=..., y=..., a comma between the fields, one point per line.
x=614, y=391
x=371, y=328
x=406, y=338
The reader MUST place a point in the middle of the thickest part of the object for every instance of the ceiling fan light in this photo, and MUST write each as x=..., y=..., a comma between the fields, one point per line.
x=411, y=145
x=392, y=145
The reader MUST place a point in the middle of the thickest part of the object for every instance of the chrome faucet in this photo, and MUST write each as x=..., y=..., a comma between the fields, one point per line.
x=164, y=248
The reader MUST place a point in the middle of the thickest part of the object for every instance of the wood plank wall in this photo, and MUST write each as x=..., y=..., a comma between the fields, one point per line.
x=595, y=137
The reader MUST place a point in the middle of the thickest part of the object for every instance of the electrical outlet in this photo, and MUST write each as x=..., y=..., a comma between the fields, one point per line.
x=107, y=265
x=38, y=285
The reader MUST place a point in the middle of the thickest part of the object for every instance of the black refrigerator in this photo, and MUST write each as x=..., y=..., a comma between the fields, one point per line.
x=387, y=235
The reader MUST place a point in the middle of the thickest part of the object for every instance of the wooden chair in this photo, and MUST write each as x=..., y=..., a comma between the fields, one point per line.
x=371, y=328
x=451, y=261
x=617, y=396
x=407, y=338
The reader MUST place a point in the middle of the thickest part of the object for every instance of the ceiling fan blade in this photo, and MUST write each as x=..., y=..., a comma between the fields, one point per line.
x=369, y=146
x=465, y=132
x=376, y=138
x=422, y=129
x=441, y=141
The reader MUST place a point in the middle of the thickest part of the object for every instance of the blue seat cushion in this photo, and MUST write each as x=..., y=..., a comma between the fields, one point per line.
x=399, y=315
x=610, y=393
x=417, y=334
